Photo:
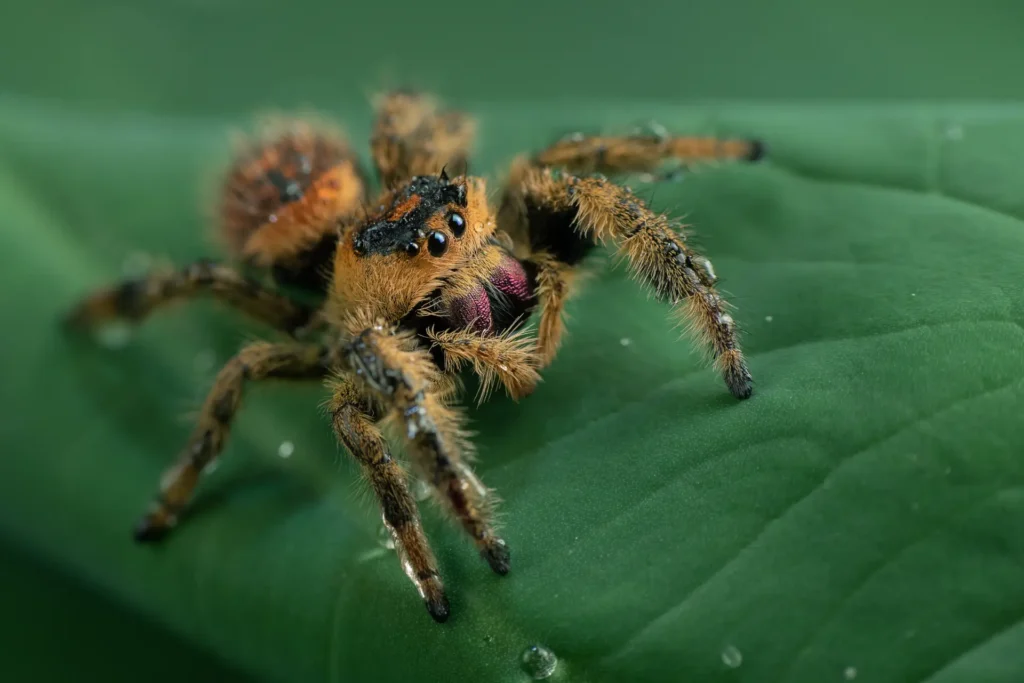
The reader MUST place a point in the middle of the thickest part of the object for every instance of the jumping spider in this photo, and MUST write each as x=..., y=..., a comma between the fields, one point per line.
x=413, y=285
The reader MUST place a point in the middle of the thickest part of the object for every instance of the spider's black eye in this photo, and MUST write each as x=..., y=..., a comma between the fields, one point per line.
x=457, y=223
x=437, y=243
x=412, y=248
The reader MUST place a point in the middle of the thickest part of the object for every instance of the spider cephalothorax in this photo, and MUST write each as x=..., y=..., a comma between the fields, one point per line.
x=417, y=283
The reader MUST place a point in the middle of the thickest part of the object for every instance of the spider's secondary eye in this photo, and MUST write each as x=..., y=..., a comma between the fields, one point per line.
x=412, y=249
x=457, y=223
x=437, y=243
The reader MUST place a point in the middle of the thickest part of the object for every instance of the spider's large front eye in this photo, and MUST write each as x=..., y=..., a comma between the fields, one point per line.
x=457, y=223
x=412, y=248
x=437, y=243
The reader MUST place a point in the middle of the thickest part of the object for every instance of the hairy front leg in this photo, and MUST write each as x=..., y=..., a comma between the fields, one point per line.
x=564, y=215
x=350, y=413
x=133, y=300
x=413, y=137
x=403, y=378
x=258, y=361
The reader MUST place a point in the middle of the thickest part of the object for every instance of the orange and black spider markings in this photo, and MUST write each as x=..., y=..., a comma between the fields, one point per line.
x=414, y=285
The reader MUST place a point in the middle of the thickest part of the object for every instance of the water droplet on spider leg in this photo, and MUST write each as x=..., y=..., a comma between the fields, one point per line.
x=385, y=539
x=849, y=673
x=136, y=264
x=539, y=662
x=732, y=657
x=114, y=335
x=286, y=449
x=705, y=266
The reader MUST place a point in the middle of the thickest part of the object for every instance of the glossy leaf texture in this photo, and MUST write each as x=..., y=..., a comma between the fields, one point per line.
x=859, y=518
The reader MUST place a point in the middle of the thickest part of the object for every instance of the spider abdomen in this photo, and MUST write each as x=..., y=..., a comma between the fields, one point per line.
x=285, y=191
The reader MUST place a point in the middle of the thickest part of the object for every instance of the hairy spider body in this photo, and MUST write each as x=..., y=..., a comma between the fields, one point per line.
x=414, y=285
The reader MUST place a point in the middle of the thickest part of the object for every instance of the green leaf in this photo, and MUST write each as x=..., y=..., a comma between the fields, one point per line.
x=859, y=517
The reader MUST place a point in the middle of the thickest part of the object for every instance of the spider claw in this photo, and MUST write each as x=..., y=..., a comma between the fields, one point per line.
x=438, y=607
x=497, y=556
x=740, y=384
x=150, y=530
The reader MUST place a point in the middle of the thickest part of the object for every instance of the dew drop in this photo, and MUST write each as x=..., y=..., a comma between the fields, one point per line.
x=732, y=657
x=286, y=449
x=136, y=264
x=204, y=361
x=705, y=265
x=385, y=539
x=768, y=318
x=539, y=662
x=849, y=673
x=115, y=335
x=625, y=341
x=954, y=132
x=211, y=467
x=913, y=294
x=421, y=490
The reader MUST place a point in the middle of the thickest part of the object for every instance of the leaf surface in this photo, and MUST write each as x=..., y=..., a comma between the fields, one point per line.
x=860, y=517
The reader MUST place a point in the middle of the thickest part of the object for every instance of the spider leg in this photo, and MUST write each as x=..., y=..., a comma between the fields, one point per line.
x=403, y=378
x=565, y=216
x=630, y=153
x=355, y=428
x=412, y=137
x=257, y=361
x=507, y=358
x=556, y=282
x=135, y=299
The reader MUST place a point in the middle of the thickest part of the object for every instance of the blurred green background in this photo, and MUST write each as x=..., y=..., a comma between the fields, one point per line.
x=227, y=58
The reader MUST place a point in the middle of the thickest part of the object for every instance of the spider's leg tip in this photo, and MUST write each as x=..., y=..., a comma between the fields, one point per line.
x=149, y=530
x=498, y=557
x=438, y=608
x=741, y=386
x=757, y=152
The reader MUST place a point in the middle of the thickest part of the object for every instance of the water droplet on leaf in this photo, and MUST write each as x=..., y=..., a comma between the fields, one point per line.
x=732, y=657
x=539, y=662
x=625, y=341
x=136, y=264
x=114, y=335
x=849, y=673
x=385, y=539
x=204, y=361
x=768, y=318
x=286, y=449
